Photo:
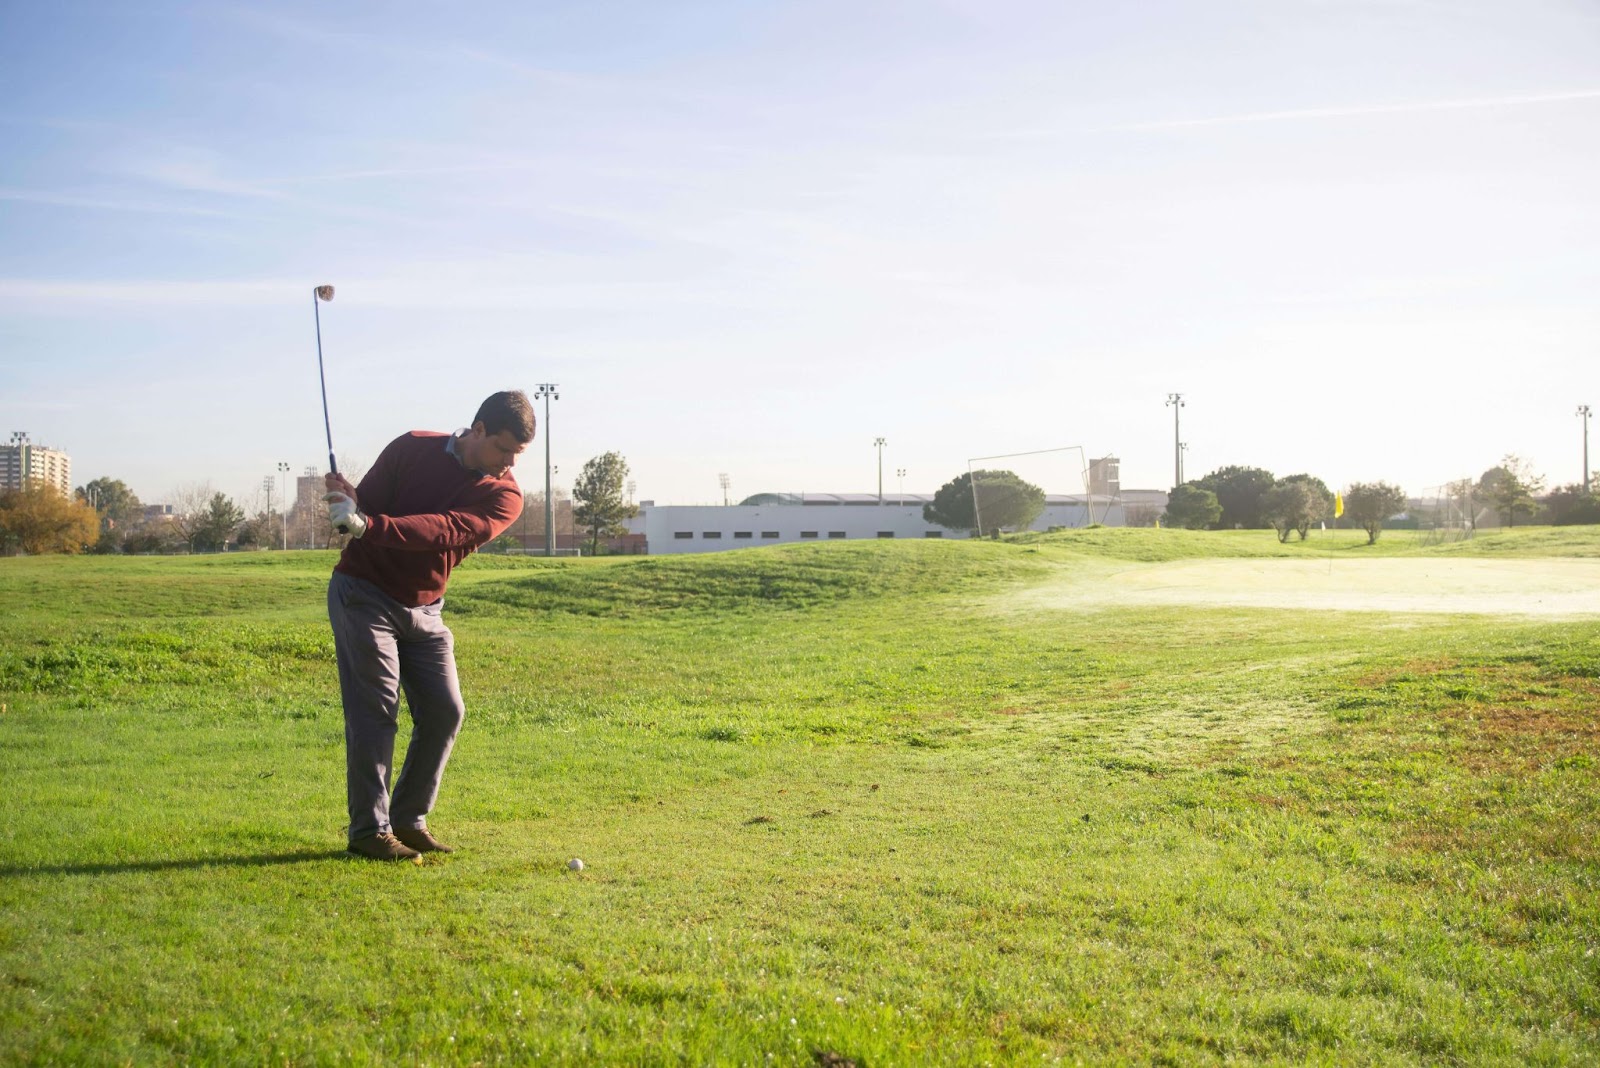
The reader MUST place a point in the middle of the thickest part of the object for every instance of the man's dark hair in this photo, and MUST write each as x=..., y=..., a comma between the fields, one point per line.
x=510, y=409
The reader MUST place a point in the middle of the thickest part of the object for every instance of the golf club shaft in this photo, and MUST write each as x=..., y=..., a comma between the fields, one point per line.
x=333, y=466
x=322, y=377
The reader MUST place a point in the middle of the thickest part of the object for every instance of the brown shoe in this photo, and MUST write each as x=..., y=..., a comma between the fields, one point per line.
x=382, y=847
x=419, y=839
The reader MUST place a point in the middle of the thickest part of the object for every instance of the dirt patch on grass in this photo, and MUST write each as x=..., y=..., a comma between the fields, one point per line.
x=1523, y=731
x=1385, y=676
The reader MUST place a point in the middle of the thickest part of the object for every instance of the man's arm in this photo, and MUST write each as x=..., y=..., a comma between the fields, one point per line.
x=461, y=528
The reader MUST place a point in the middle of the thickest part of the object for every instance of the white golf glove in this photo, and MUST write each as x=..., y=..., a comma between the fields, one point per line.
x=343, y=515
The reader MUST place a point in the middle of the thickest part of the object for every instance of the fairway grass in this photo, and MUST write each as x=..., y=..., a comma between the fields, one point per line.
x=889, y=803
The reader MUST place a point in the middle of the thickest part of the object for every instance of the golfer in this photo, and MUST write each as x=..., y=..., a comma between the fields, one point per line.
x=429, y=500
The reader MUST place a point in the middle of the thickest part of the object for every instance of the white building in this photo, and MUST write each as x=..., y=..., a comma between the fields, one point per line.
x=22, y=462
x=778, y=518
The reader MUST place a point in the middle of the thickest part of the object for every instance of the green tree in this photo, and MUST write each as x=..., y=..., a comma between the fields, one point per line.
x=112, y=498
x=1570, y=506
x=41, y=519
x=217, y=523
x=261, y=532
x=1368, y=504
x=1239, y=491
x=150, y=536
x=1002, y=500
x=599, y=505
x=1288, y=507
x=1510, y=488
x=1321, y=501
x=1192, y=508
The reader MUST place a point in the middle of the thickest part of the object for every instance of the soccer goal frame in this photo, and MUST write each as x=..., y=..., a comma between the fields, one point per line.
x=1083, y=474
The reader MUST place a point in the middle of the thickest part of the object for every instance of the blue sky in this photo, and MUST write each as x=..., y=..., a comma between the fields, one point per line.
x=1362, y=238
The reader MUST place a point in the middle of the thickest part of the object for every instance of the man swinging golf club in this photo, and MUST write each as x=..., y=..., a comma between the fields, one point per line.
x=429, y=500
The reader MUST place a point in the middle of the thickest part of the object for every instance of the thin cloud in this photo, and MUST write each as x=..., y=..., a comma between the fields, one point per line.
x=33, y=293
x=407, y=172
x=192, y=175
x=469, y=289
x=1370, y=109
x=59, y=200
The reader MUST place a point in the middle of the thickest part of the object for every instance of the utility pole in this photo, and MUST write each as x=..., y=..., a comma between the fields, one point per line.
x=19, y=441
x=1175, y=402
x=311, y=472
x=880, y=443
x=547, y=393
x=724, y=481
x=267, y=484
x=1584, y=413
x=283, y=469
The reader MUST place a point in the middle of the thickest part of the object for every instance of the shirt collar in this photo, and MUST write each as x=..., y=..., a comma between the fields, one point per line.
x=452, y=446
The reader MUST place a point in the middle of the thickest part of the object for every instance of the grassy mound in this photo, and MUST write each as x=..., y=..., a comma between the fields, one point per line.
x=779, y=577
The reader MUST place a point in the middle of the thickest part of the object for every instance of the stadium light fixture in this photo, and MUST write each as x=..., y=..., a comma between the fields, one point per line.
x=283, y=469
x=547, y=393
x=1175, y=402
x=879, y=443
x=1583, y=413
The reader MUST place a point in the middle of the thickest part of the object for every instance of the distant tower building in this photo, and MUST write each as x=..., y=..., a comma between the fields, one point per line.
x=309, y=489
x=22, y=462
x=1105, y=477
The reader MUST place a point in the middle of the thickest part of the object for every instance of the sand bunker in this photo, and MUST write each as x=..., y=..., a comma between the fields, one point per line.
x=1540, y=587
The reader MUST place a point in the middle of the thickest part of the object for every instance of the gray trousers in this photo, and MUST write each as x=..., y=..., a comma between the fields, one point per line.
x=383, y=648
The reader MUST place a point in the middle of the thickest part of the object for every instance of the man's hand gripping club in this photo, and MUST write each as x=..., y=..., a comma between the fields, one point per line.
x=342, y=512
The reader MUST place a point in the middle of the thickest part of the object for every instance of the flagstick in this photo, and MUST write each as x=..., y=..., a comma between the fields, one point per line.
x=1338, y=510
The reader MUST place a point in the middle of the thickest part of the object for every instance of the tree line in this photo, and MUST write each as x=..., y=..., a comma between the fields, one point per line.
x=1252, y=498
x=106, y=516
x=1237, y=497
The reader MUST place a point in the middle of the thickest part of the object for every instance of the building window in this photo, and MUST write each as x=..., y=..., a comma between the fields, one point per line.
x=836, y=534
x=769, y=533
x=933, y=534
x=709, y=534
x=682, y=535
x=885, y=533
x=808, y=533
x=742, y=534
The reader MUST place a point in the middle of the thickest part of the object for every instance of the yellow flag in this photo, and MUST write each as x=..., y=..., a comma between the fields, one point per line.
x=1338, y=505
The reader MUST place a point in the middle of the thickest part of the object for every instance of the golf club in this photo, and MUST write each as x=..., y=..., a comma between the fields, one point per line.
x=319, y=294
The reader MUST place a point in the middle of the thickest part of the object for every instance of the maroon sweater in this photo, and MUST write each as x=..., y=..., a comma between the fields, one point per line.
x=425, y=512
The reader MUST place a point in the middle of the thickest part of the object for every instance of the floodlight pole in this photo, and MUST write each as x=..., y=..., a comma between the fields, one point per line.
x=283, y=469
x=19, y=440
x=1583, y=413
x=1175, y=402
x=724, y=482
x=547, y=393
x=900, y=474
x=880, y=443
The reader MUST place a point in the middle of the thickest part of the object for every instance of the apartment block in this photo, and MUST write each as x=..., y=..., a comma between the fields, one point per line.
x=22, y=462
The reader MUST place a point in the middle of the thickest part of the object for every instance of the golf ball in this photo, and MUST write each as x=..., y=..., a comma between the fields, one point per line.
x=575, y=864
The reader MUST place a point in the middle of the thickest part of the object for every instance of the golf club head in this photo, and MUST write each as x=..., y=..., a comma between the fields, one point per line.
x=324, y=292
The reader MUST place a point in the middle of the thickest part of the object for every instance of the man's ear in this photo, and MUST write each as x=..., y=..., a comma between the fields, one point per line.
x=479, y=429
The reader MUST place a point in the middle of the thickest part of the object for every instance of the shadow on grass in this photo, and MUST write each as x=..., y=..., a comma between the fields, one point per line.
x=119, y=867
